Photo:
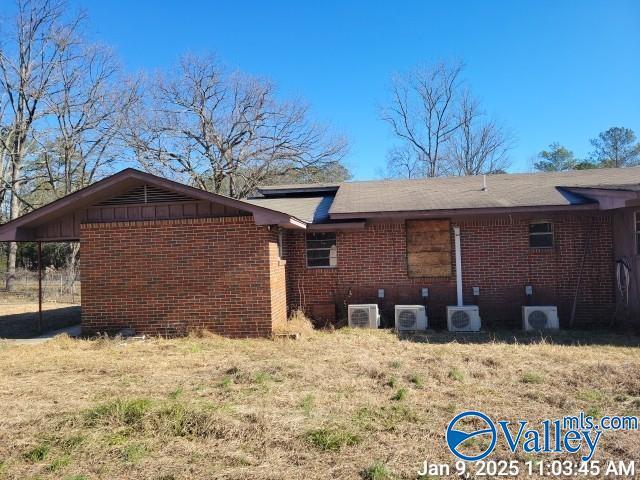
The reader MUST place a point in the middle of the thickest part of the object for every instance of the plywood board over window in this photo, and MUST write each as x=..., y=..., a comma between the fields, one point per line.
x=429, y=248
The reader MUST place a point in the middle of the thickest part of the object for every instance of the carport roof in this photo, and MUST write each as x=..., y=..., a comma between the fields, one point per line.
x=18, y=229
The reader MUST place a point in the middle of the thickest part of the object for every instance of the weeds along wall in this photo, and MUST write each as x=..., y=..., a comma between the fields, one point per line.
x=166, y=277
x=496, y=257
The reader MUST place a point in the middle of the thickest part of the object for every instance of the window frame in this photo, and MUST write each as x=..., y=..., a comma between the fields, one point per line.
x=552, y=234
x=307, y=249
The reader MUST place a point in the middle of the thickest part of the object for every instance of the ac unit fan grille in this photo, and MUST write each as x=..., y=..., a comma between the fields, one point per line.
x=460, y=319
x=407, y=319
x=360, y=318
x=538, y=319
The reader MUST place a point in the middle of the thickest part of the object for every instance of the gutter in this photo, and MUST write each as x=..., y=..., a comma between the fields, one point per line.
x=402, y=214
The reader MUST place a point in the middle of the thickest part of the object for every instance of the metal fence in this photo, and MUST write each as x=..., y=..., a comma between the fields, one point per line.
x=58, y=285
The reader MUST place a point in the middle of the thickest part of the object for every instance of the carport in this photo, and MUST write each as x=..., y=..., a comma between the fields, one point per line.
x=160, y=257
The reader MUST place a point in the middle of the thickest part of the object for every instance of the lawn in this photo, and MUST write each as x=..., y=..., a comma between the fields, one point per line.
x=335, y=405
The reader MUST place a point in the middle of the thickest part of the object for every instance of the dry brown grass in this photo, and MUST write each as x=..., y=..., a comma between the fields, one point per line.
x=296, y=323
x=327, y=406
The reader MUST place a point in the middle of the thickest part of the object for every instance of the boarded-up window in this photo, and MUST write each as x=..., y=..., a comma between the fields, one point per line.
x=429, y=248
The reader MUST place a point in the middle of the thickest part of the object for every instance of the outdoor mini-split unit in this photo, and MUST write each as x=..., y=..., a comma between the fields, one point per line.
x=364, y=316
x=460, y=317
x=540, y=318
x=465, y=318
x=411, y=318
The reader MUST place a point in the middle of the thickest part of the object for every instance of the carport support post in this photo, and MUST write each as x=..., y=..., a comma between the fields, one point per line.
x=39, y=287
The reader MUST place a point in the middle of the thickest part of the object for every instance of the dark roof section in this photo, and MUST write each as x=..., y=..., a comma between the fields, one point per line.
x=122, y=182
x=451, y=194
x=295, y=189
x=311, y=209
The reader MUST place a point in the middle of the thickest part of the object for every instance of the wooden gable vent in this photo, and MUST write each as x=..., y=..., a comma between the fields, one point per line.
x=429, y=248
x=146, y=194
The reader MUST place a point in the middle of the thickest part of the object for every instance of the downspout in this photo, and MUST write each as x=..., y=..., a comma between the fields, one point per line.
x=456, y=232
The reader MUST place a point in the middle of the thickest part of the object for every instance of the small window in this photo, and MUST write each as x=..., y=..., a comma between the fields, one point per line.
x=321, y=250
x=637, y=230
x=541, y=235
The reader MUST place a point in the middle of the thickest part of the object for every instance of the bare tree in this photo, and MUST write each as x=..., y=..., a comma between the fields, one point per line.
x=225, y=132
x=29, y=54
x=422, y=112
x=405, y=162
x=85, y=116
x=480, y=145
x=87, y=113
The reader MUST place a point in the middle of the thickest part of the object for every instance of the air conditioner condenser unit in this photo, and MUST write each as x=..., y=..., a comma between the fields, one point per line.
x=411, y=318
x=540, y=318
x=464, y=318
x=364, y=316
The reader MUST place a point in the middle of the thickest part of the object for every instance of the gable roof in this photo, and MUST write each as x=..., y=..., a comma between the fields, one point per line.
x=126, y=179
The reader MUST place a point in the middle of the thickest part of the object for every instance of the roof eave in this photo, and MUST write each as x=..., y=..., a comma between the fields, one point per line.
x=607, y=199
x=436, y=213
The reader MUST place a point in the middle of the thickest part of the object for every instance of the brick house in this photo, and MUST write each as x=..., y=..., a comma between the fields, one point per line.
x=163, y=258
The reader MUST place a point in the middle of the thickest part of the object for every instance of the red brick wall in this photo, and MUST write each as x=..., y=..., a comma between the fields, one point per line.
x=167, y=277
x=495, y=257
x=277, y=283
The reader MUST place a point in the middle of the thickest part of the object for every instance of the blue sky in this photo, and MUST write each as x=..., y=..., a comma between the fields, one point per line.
x=548, y=70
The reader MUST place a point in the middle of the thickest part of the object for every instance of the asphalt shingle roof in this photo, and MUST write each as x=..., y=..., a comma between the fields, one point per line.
x=447, y=193
x=308, y=209
x=451, y=193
